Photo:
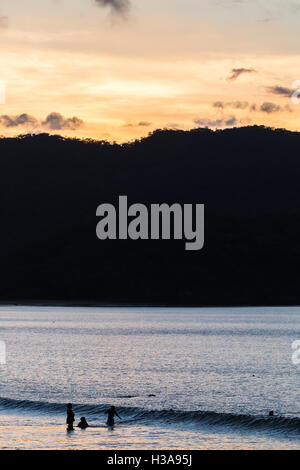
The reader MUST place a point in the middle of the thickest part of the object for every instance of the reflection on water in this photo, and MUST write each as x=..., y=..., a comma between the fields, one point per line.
x=138, y=437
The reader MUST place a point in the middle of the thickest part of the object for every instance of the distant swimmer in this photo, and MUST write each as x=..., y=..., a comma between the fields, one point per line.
x=83, y=424
x=70, y=417
x=111, y=415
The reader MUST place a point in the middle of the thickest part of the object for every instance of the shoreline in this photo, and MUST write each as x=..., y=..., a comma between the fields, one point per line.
x=86, y=304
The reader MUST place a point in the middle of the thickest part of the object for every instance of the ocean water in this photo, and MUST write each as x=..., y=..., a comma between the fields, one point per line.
x=181, y=378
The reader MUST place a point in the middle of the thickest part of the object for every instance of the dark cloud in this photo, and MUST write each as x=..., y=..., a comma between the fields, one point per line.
x=239, y=105
x=265, y=107
x=219, y=105
x=231, y=122
x=226, y=122
x=116, y=6
x=233, y=105
x=53, y=121
x=56, y=122
x=235, y=73
x=274, y=108
x=144, y=124
x=279, y=90
x=16, y=121
x=209, y=122
x=270, y=108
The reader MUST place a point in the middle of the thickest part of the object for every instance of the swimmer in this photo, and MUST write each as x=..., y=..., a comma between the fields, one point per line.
x=70, y=417
x=111, y=414
x=83, y=424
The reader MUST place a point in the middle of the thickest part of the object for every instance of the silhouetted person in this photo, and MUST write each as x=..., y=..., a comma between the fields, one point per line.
x=70, y=417
x=83, y=424
x=271, y=413
x=111, y=415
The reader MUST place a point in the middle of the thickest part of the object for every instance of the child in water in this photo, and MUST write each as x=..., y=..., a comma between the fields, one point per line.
x=70, y=417
x=111, y=414
x=83, y=424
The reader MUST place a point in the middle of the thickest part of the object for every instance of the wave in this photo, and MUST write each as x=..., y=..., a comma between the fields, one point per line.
x=135, y=415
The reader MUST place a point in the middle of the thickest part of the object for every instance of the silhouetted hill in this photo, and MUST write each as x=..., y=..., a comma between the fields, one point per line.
x=248, y=179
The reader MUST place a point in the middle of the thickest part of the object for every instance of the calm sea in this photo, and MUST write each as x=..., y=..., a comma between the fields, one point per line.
x=181, y=378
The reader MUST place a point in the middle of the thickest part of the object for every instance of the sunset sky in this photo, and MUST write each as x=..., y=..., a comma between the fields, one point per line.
x=84, y=68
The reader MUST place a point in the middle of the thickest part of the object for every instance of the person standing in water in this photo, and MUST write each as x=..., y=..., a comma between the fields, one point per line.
x=70, y=417
x=111, y=415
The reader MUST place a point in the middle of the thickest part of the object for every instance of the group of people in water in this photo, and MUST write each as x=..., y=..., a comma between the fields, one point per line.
x=111, y=412
x=83, y=424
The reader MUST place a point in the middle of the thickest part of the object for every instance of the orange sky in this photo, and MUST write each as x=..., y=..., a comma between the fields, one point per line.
x=123, y=74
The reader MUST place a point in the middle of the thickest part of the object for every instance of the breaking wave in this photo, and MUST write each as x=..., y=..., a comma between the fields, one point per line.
x=135, y=415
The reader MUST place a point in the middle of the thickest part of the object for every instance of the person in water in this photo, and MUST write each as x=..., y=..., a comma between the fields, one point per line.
x=70, y=417
x=83, y=424
x=111, y=415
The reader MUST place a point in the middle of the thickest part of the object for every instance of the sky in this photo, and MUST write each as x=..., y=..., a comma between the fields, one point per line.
x=119, y=69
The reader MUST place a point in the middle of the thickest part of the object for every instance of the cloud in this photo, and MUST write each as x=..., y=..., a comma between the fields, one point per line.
x=235, y=73
x=56, y=121
x=270, y=108
x=116, y=6
x=138, y=124
x=231, y=122
x=239, y=105
x=174, y=126
x=279, y=90
x=242, y=105
x=233, y=105
x=144, y=123
x=226, y=122
x=53, y=121
x=274, y=108
x=15, y=121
